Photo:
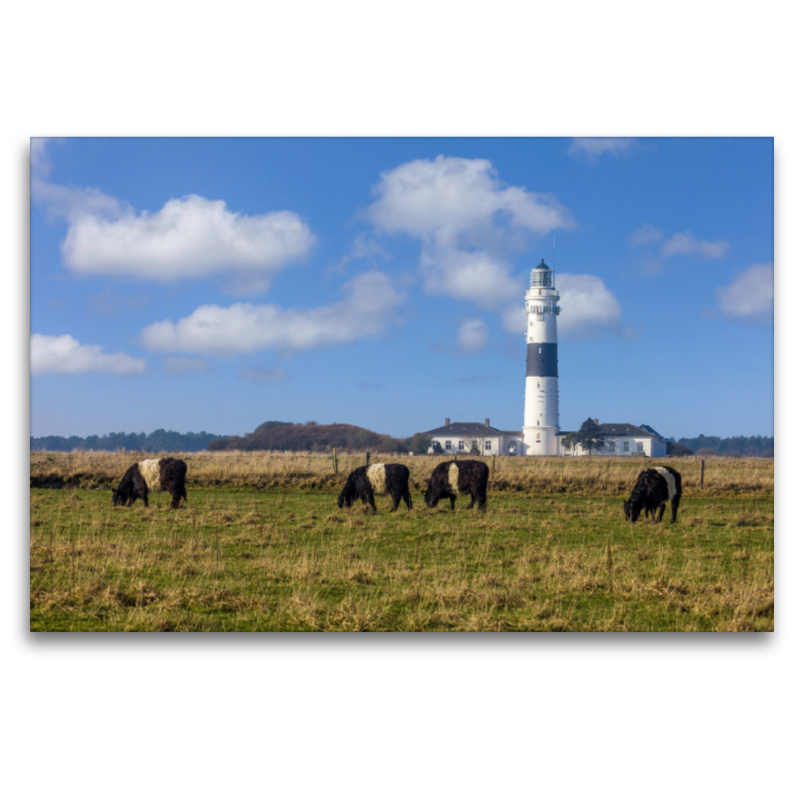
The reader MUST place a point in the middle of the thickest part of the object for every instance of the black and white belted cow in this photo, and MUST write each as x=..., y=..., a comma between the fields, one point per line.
x=652, y=490
x=454, y=478
x=152, y=475
x=364, y=483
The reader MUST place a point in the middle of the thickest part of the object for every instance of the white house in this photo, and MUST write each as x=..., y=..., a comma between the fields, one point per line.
x=622, y=439
x=462, y=438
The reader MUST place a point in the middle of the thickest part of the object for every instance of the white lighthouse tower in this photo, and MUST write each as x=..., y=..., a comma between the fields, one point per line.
x=540, y=424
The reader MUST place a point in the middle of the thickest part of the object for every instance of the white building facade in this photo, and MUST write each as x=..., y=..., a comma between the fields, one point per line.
x=621, y=439
x=464, y=438
x=540, y=421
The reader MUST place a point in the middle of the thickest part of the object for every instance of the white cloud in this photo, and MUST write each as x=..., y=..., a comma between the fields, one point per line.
x=444, y=199
x=588, y=308
x=593, y=147
x=259, y=375
x=514, y=319
x=176, y=366
x=466, y=221
x=66, y=356
x=685, y=244
x=190, y=237
x=68, y=202
x=41, y=165
x=473, y=336
x=750, y=296
x=646, y=234
x=363, y=247
x=368, y=308
x=473, y=276
x=72, y=204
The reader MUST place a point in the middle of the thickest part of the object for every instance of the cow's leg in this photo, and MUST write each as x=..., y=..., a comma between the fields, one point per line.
x=482, y=501
x=407, y=498
x=395, y=501
x=452, y=502
x=661, y=509
x=675, y=504
x=472, y=500
x=371, y=498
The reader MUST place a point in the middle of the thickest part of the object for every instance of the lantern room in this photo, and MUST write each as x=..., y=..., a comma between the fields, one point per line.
x=542, y=277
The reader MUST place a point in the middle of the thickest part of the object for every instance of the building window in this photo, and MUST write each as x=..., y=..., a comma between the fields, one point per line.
x=512, y=447
x=448, y=445
x=640, y=447
x=488, y=445
x=461, y=445
x=626, y=447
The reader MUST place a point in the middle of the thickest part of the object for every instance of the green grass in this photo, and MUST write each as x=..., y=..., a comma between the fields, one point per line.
x=246, y=560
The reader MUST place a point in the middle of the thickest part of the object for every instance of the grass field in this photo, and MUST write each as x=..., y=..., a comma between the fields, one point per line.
x=284, y=557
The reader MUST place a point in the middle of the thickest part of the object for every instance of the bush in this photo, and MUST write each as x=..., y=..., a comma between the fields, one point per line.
x=310, y=437
x=419, y=443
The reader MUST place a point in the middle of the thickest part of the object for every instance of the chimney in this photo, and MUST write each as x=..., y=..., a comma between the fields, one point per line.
x=487, y=422
x=596, y=422
x=447, y=420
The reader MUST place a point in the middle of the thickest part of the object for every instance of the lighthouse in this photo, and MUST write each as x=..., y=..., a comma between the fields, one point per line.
x=540, y=424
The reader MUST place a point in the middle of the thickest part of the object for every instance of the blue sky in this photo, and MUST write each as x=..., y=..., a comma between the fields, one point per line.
x=213, y=284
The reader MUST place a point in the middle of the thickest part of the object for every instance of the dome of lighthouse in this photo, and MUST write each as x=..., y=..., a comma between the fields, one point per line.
x=542, y=266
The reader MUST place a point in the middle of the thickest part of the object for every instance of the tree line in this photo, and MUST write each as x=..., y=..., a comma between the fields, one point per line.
x=275, y=435
x=735, y=446
x=157, y=442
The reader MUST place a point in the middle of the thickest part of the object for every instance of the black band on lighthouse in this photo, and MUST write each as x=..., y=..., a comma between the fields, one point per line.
x=542, y=361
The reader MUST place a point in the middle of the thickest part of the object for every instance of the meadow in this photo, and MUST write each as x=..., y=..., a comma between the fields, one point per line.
x=262, y=546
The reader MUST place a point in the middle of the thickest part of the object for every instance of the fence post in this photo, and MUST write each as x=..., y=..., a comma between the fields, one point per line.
x=335, y=463
x=367, y=457
x=702, y=472
x=493, y=458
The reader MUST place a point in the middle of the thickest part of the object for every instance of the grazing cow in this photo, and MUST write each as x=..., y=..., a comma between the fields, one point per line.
x=652, y=490
x=152, y=475
x=366, y=482
x=458, y=477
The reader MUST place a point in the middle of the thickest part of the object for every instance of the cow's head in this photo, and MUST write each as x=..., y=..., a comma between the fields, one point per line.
x=345, y=498
x=430, y=496
x=632, y=510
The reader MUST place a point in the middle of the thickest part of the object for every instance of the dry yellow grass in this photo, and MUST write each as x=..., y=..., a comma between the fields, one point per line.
x=594, y=476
